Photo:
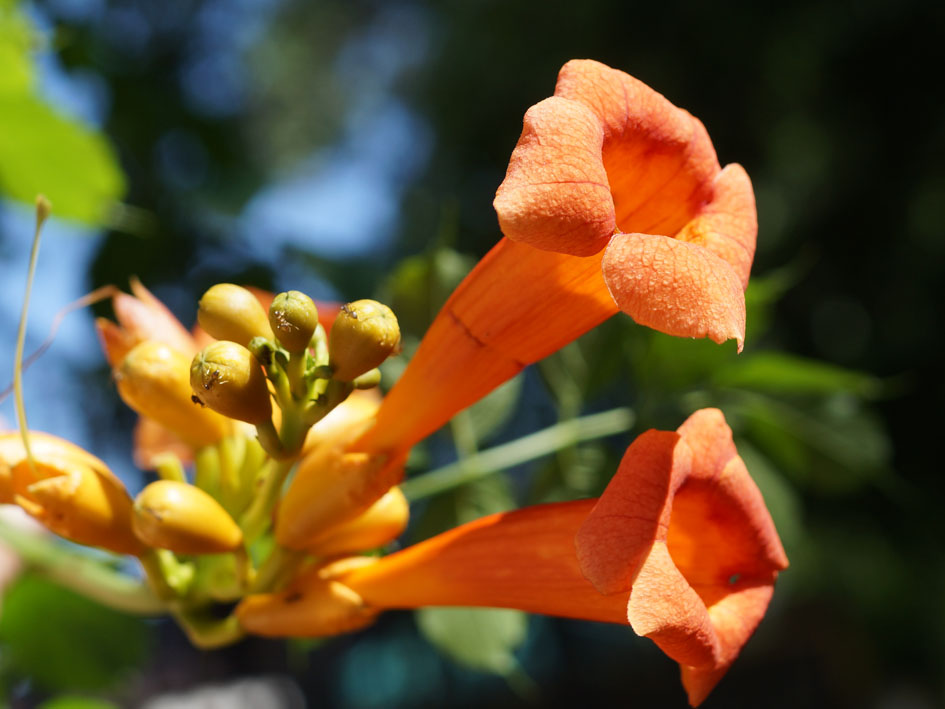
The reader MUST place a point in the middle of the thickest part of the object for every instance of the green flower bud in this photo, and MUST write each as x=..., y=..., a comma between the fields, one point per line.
x=364, y=334
x=226, y=377
x=293, y=317
x=230, y=312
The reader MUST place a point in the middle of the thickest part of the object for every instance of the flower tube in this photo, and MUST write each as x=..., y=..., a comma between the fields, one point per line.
x=680, y=546
x=613, y=200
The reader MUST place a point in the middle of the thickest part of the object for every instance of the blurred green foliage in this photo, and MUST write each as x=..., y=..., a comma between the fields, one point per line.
x=60, y=640
x=41, y=151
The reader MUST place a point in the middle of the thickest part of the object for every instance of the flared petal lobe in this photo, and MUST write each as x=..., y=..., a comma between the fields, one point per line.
x=609, y=162
x=555, y=195
x=693, y=543
x=675, y=287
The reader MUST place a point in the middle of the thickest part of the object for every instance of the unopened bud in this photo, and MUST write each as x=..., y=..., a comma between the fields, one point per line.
x=293, y=318
x=153, y=380
x=230, y=312
x=383, y=522
x=364, y=334
x=226, y=377
x=183, y=518
x=82, y=502
x=313, y=605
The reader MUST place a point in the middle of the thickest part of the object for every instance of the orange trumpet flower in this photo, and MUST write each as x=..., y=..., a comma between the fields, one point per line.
x=613, y=200
x=680, y=546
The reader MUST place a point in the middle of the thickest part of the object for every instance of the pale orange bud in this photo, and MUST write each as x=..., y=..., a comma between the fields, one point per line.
x=231, y=312
x=183, y=518
x=383, y=522
x=14, y=477
x=330, y=487
x=77, y=497
x=313, y=605
x=154, y=380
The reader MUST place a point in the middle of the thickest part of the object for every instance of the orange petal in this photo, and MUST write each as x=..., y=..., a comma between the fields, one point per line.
x=313, y=605
x=151, y=440
x=331, y=487
x=675, y=287
x=116, y=341
x=518, y=305
x=721, y=530
x=147, y=318
x=728, y=224
x=734, y=619
x=555, y=195
x=633, y=512
x=381, y=523
x=659, y=159
x=523, y=559
x=665, y=608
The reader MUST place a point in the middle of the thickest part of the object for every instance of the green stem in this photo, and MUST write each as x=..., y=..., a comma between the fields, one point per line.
x=280, y=565
x=82, y=575
x=42, y=212
x=536, y=445
x=258, y=516
x=209, y=633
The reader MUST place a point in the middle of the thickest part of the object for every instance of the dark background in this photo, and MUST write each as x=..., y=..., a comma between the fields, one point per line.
x=836, y=111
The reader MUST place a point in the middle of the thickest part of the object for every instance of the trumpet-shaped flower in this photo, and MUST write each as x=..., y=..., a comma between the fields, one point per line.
x=680, y=546
x=613, y=200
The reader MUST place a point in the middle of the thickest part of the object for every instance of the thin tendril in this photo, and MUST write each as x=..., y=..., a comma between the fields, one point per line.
x=96, y=296
x=43, y=208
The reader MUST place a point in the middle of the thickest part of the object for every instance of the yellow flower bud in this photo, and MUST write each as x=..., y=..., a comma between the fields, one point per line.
x=226, y=377
x=78, y=498
x=14, y=477
x=153, y=380
x=230, y=312
x=313, y=605
x=364, y=334
x=183, y=518
x=383, y=521
x=331, y=487
x=293, y=317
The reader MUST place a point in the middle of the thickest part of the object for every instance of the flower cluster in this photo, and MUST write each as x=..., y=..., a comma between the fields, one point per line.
x=614, y=200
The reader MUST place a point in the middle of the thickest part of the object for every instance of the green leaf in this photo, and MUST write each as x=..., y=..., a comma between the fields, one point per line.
x=481, y=638
x=16, y=39
x=61, y=640
x=781, y=373
x=42, y=152
x=492, y=412
x=421, y=284
x=74, y=702
x=834, y=447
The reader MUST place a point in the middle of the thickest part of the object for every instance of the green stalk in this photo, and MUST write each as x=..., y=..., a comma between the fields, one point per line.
x=85, y=576
x=536, y=445
x=43, y=208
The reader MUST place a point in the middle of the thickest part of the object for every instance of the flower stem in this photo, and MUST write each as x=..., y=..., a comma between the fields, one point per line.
x=82, y=575
x=536, y=445
x=258, y=515
x=42, y=213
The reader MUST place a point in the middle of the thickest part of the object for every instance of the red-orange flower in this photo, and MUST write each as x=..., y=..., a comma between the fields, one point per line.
x=614, y=200
x=680, y=545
